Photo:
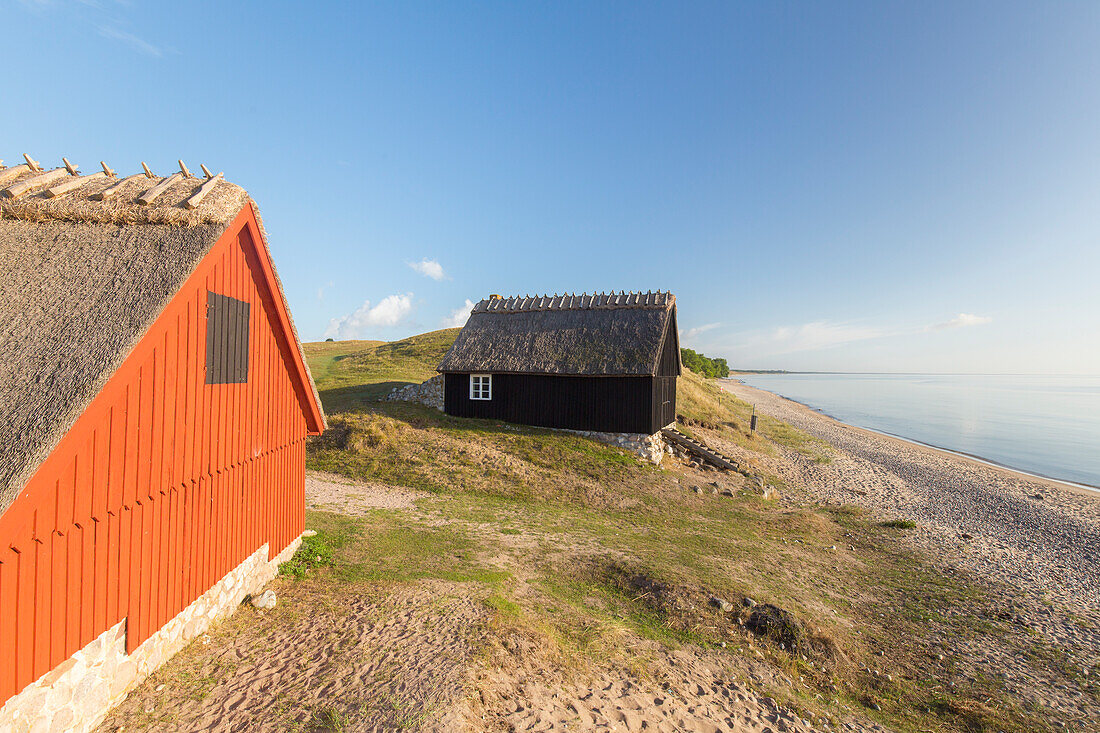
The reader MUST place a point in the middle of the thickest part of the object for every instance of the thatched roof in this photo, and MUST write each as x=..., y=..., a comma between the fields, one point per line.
x=81, y=281
x=601, y=334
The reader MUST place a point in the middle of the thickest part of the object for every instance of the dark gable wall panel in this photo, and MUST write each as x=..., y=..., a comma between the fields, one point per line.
x=608, y=404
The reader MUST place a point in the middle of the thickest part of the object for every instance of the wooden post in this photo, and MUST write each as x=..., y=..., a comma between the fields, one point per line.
x=752, y=422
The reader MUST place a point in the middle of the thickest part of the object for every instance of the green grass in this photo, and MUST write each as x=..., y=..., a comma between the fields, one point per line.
x=566, y=539
x=349, y=374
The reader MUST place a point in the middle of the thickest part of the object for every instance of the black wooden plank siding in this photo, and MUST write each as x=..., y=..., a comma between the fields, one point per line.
x=607, y=404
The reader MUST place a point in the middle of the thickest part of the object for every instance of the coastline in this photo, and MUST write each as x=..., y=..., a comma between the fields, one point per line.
x=1088, y=489
x=1029, y=546
x=1039, y=534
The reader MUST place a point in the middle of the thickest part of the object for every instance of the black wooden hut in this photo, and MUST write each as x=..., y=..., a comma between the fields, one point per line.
x=602, y=362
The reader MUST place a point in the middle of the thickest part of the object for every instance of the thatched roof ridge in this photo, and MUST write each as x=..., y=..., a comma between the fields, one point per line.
x=521, y=304
x=81, y=202
x=603, y=334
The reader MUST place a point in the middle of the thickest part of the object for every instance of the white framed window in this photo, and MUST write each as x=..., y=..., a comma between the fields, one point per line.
x=481, y=386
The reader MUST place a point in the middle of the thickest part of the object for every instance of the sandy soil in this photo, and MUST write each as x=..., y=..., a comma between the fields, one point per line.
x=1039, y=540
x=692, y=690
x=393, y=659
x=331, y=493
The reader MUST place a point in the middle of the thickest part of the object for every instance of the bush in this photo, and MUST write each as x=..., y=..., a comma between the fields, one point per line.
x=900, y=524
x=704, y=365
x=315, y=552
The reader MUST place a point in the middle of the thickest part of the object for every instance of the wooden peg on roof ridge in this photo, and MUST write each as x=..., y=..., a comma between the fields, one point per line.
x=32, y=163
x=70, y=167
x=206, y=171
x=148, y=173
x=107, y=171
x=183, y=169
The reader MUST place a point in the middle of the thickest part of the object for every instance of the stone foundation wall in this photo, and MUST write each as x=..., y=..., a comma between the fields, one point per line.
x=648, y=447
x=78, y=693
x=428, y=393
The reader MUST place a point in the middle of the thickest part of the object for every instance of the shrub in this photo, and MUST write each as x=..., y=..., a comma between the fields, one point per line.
x=315, y=552
x=900, y=524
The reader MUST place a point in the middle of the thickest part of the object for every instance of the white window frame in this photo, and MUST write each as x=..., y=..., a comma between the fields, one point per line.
x=484, y=390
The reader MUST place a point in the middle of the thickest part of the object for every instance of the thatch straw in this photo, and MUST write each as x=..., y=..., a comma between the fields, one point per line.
x=593, y=335
x=74, y=301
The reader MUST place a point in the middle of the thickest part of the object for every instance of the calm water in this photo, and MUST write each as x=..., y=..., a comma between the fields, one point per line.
x=1044, y=425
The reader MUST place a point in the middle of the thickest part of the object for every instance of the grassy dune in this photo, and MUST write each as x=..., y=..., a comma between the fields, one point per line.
x=583, y=547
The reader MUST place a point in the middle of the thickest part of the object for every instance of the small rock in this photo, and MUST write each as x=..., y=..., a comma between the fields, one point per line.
x=1037, y=496
x=721, y=604
x=748, y=602
x=265, y=600
x=309, y=533
x=697, y=489
x=160, y=687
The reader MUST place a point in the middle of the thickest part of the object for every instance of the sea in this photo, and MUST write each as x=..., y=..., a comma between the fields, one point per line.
x=1044, y=425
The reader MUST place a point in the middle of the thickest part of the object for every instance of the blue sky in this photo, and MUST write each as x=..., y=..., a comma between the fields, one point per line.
x=854, y=186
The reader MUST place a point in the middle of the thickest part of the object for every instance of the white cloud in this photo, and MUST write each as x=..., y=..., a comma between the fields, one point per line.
x=390, y=311
x=693, y=332
x=963, y=320
x=459, y=316
x=321, y=290
x=429, y=268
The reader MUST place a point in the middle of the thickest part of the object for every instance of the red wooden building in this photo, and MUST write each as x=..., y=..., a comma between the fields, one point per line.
x=154, y=405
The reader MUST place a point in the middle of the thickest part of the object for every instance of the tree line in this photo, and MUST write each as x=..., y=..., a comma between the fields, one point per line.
x=704, y=365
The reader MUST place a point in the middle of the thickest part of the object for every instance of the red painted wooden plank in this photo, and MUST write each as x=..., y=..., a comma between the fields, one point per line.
x=178, y=552
x=154, y=588
x=83, y=481
x=126, y=559
x=116, y=471
x=146, y=427
x=24, y=615
x=102, y=587
x=113, y=576
x=73, y=594
x=130, y=446
x=87, y=583
x=100, y=464
x=141, y=592
x=43, y=604
x=9, y=587
x=157, y=395
x=58, y=590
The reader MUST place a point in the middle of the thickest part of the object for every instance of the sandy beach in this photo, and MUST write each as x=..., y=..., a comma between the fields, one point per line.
x=1036, y=540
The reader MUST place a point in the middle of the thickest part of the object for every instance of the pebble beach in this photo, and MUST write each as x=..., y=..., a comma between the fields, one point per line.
x=1035, y=542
